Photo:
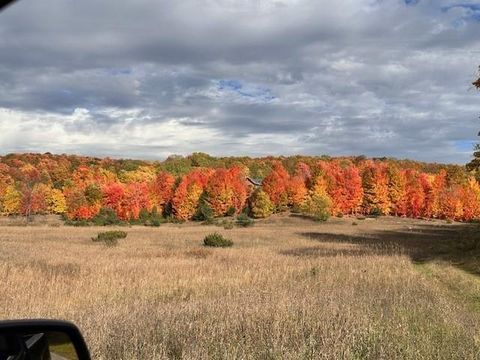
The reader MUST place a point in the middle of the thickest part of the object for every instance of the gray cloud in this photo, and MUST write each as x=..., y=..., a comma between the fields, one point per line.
x=146, y=79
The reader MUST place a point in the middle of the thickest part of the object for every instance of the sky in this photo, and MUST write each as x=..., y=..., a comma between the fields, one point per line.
x=149, y=78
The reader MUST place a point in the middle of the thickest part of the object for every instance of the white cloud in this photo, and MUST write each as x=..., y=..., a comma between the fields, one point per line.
x=147, y=79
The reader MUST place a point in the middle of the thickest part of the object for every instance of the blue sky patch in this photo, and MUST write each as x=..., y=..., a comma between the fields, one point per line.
x=412, y=2
x=472, y=11
x=464, y=145
x=257, y=93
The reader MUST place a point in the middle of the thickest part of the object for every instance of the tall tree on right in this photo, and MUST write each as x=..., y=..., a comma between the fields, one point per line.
x=474, y=164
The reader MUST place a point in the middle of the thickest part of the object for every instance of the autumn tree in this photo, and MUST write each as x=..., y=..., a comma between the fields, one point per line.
x=376, y=199
x=161, y=189
x=433, y=186
x=474, y=164
x=11, y=201
x=415, y=194
x=344, y=186
x=77, y=205
x=136, y=199
x=56, y=202
x=275, y=185
x=451, y=203
x=470, y=197
x=296, y=191
x=318, y=203
x=352, y=182
x=226, y=191
x=260, y=204
x=30, y=177
x=397, y=193
x=187, y=195
x=113, y=198
x=304, y=171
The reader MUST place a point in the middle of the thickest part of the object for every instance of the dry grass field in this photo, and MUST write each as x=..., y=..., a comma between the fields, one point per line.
x=289, y=288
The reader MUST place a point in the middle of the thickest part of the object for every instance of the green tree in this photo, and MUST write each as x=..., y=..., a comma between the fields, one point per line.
x=474, y=164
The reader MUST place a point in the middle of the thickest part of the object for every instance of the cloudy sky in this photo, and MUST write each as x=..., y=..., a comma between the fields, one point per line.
x=149, y=78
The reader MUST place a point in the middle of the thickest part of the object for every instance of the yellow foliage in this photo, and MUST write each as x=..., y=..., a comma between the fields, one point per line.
x=56, y=202
x=142, y=174
x=261, y=205
x=11, y=201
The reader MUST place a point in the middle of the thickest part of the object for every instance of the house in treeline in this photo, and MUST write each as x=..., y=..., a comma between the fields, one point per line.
x=254, y=182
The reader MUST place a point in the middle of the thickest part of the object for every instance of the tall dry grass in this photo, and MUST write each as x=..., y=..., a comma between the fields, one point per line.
x=277, y=294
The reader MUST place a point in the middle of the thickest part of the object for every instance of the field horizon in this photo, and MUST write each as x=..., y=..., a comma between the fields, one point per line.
x=232, y=156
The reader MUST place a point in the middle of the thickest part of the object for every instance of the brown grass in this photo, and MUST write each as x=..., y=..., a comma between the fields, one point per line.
x=288, y=289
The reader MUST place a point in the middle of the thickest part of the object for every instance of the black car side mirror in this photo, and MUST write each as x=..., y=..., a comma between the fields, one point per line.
x=5, y=3
x=41, y=340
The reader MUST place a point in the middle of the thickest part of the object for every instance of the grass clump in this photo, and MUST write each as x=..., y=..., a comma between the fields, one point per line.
x=110, y=238
x=217, y=240
x=244, y=221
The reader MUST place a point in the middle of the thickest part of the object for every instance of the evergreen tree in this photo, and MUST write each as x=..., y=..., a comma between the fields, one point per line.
x=474, y=164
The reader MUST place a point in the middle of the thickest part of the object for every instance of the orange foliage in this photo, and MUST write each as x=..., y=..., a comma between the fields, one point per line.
x=296, y=191
x=79, y=186
x=187, y=195
x=162, y=190
x=226, y=190
x=375, y=186
x=113, y=195
x=136, y=198
x=275, y=185
x=415, y=194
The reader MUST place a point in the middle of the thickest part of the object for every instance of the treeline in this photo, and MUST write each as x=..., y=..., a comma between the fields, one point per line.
x=201, y=186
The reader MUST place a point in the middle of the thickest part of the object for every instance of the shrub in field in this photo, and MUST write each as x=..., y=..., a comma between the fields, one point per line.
x=244, y=221
x=217, y=240
x=227, y=224
x=77, y=223
x=110, y=238
x=260, y=204
x=148, y=218
x=317, y=206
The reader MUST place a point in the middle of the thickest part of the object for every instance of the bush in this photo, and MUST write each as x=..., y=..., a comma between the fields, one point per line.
x=77, y=223
x=217, y=240
x=155, y=222
x=106, y=216
x=110, y=238
x=227, y=225
x=231, y=211
x=376, y=212
x=244, y=221
x=317, y=206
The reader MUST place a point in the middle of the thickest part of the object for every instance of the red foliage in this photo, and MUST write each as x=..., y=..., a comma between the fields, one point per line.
x=275, y=185
x=303, y=171
x=78, y=186
x=113, y=195
x=344, y=186
x=415, y=194
x=135, y=199
x=162, y=190
x=225, y=190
